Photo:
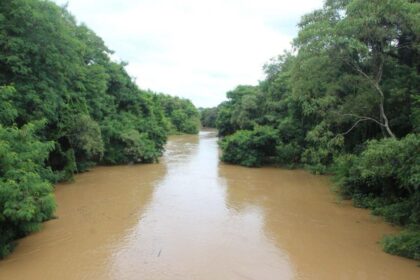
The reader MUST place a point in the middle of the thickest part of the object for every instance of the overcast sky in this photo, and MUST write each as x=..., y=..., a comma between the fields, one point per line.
x=198, y=49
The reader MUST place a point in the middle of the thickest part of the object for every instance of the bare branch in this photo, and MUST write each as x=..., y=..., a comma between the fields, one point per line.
x=354, y=125
x=375, y=83
x=365, y=118
x=360, y=71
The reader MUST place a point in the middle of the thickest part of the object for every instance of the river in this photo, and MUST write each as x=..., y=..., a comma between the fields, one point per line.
x=192, y=217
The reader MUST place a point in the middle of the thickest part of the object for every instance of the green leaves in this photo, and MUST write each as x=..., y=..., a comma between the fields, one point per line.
x=85, y=138
x=127, y=141
x=240, y=112
x=58, y=71
x=406, y=244
x=181, y=114
x=26, y=197
x=8, y=112
x=249, y=148
x=347, y=101
x=208, y=117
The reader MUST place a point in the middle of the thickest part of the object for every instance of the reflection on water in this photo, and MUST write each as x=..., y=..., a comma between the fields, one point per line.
x=191, y=217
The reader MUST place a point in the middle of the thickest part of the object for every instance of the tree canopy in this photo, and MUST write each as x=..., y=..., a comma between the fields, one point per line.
x=208, y=117
x=65, y=107
x=343, y=101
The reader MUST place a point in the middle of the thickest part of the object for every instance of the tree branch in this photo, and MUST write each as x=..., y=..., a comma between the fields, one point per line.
x=375, y=84
x=365, y=118
x=354, y=125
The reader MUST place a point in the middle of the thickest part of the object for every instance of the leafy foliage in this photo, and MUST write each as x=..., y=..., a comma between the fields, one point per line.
x=208, y=117
x=385, y=177
x=386, y=167
x=182, y=115
x=26, y=197
x=249, y=148
x=55, y=70
x=346, y=101
x=406, y=244
x=8, y=112
x=126, y=144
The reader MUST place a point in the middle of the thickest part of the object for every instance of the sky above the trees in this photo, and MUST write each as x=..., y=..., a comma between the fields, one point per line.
x=194, y=48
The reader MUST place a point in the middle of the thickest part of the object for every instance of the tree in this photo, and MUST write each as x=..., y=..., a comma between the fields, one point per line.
x=183, y=117
x=208, y=117
x=346, y=101
x=26, y=197
x=365, y=36
x=58, y=71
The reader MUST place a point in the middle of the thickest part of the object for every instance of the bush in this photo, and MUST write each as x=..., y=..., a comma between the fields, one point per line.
x=128, y=141
x=387, y=167
x=320, y=148
x=183, y=117
x=384, y=177
x=26, y=197
x=398, y=213
x=249, y=147
x=85, y=139
x=288, y=154
x=208, y=117
x=405, y=244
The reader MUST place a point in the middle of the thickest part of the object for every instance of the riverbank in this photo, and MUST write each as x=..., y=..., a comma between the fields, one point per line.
x=192, y=217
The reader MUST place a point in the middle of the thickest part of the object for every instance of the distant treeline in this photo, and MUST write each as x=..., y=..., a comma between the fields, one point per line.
x=182, y=115
x=208, y=117
x=65, y=106
x=346, y=101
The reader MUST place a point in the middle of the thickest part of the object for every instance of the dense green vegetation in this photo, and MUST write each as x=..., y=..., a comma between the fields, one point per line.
x=182, y=115
x=346, y=101
x=66, y=106
x=26, y=197
x=208, y=117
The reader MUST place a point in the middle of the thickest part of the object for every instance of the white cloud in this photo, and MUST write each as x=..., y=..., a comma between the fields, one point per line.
x=191, y=48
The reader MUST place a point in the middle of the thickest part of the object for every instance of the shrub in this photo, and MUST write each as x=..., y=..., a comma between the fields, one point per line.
x=387, y=167
x=128, y=140
x=249, y=147
x=396, y=213
x=288, y=154
x=84, y=136
x=384, y=177
x=26, y=197
x=405, y=244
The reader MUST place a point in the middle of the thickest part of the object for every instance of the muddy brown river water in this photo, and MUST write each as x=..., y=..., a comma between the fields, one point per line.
x=192, y=217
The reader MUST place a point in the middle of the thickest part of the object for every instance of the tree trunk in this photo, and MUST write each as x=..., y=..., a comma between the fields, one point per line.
x=384, y=118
